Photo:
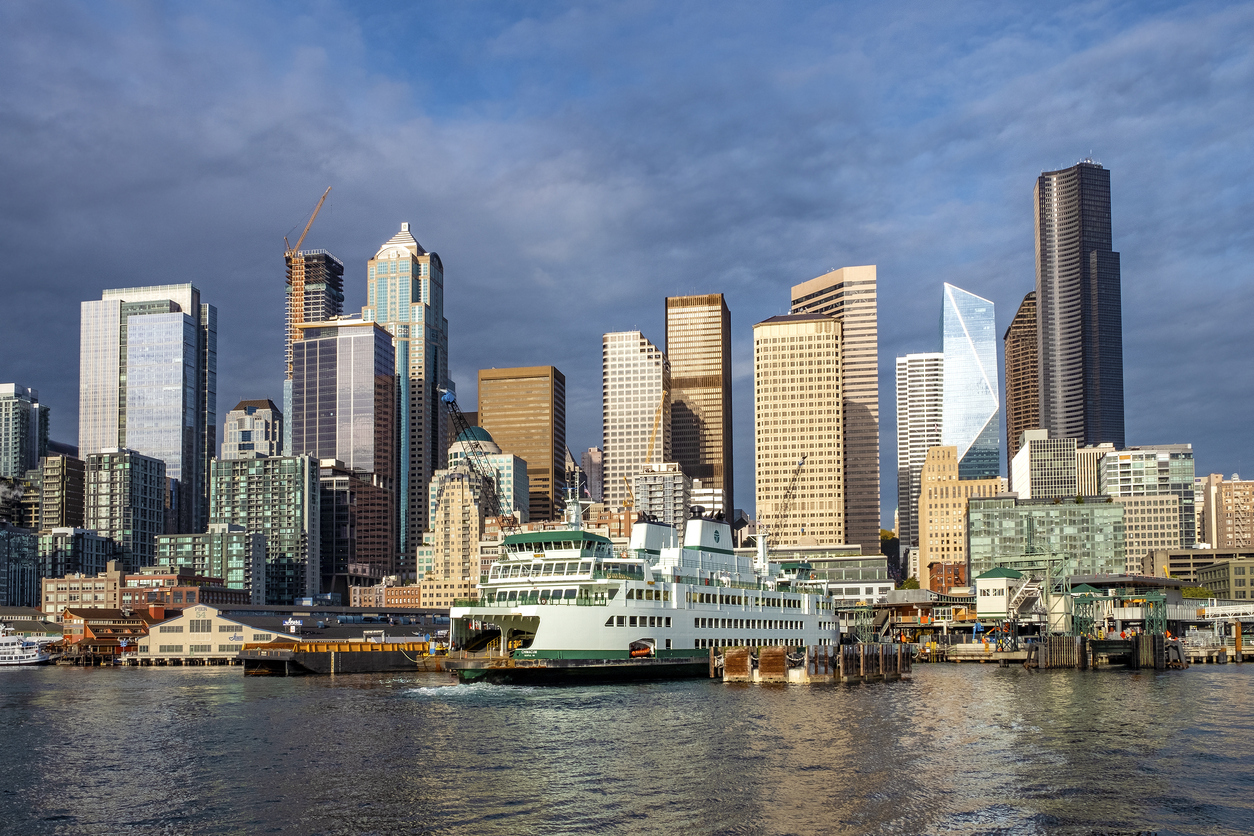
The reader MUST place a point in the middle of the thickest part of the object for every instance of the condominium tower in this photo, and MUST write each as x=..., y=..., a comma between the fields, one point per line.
x=255, y=429
x=635, y=410
x=1023, y=396
x=972, y=409
x=798, y=430
x=698, y=345
x=405, y=294
x=315, y=293
x=848, y=296
x=23, y=430
x=524, y=411
x=148, y=368
x=126, y=502
x=1078, y=315
x=920, y=411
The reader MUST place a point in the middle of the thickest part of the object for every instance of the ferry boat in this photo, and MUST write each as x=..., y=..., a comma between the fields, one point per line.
x=19, y=650
x=562, y=606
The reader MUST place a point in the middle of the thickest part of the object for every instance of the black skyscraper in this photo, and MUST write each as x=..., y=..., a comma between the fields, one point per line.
x=1079, y=321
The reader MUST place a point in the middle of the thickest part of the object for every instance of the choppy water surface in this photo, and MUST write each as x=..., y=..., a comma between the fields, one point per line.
x=960, y=750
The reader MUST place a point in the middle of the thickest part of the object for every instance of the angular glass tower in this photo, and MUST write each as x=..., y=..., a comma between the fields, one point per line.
x=972, y=396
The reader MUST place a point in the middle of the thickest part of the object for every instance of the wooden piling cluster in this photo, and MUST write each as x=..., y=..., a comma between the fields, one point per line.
x=816, y=664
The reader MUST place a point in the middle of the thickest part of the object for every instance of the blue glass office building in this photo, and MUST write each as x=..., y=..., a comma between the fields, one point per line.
x=972, y=399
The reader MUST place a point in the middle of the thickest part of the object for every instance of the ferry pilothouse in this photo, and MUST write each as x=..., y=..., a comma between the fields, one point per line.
x=567, y=595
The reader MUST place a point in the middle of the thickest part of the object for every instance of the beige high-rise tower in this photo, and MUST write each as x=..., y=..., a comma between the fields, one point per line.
x=798, y=412
x=848, y=296
x=635, y=376
x=698, y=344
x=525, y=411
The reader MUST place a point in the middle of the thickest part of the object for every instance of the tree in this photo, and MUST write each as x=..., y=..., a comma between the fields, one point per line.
x=1196, y=592
x=909, y=583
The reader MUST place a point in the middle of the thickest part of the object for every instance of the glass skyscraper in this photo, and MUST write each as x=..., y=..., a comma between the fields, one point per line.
x=972, y=398
x=148, y=362
x=1078, y=313
x=315, y=293
x=405, y=294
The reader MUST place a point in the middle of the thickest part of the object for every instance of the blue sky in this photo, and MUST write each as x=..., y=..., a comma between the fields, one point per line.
x=574, y=165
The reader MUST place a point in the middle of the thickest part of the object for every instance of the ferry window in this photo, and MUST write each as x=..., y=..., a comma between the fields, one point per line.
x=631, y=594
x=544, y=595
x=613, y=592
x=585, y=567
x=537, y=568
x=622, y=620
x=651, y=623
x=631, y=622
x=570, y=593
x=609, y=622
x=513, y=571
x=668, y=644
x=495, y=573
x=513, y=594
x=666, y=596
x=668, y=623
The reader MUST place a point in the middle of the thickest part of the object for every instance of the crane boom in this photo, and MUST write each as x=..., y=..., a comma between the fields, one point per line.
x=657, y=420
x=291, y=251
x=478, y=460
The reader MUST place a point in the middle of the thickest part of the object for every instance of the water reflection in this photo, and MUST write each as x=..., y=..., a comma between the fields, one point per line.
x=962, y=749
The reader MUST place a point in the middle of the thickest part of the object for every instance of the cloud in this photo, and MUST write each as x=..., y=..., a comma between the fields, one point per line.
x=573, y=166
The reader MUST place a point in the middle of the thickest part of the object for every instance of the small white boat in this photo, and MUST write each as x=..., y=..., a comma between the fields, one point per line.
x=19, y=650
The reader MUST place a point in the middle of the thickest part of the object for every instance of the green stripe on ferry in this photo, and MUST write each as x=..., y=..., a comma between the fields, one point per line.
x=708, y=549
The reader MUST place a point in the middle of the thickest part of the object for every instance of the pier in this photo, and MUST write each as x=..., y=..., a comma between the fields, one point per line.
x=850, y=664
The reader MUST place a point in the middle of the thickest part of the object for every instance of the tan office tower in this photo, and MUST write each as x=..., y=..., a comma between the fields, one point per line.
x=942, y=510
x=524, y=410
x=634, y=376
x=698, y=344
x=798, y=412
x=1228, y=512
x=1023, y=397
x=848, y=296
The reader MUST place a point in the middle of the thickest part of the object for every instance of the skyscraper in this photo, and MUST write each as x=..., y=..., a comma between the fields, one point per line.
x=255, y=430
x=23, y=430
x=405, y=294
x=148, y=367
x=1078, y=315
x=281, y=498
x=315, y=293
x=797, y=413
x=343, y=409
x=920, y=411
x=592, y=464
x=972, y=400
x=634, y=376
x=848, y=296
x=524, y=411
x=1023, y=396
x=126, y=502
x=698, y=345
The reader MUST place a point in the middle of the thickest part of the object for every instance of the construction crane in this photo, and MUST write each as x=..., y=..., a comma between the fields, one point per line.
x=781, y=516
x=657, y=420
x=291, y=251
x=477, y=457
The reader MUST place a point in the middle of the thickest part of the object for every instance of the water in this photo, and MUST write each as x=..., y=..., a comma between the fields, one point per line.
x=963, y=749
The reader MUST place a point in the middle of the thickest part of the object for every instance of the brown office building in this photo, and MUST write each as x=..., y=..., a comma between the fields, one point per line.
x=1023, y=397
x=698, y=344
x=847, y=295
x=524, y=410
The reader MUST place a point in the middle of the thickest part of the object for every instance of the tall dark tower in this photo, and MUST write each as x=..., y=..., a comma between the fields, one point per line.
x=1078, y=315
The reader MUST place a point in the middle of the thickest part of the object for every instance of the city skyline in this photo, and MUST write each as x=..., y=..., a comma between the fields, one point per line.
x=546, y=220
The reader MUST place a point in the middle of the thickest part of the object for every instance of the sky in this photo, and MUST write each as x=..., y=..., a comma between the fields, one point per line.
x=573, y=165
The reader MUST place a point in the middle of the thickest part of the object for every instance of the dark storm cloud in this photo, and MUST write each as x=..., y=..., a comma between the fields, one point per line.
x=573, y=166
